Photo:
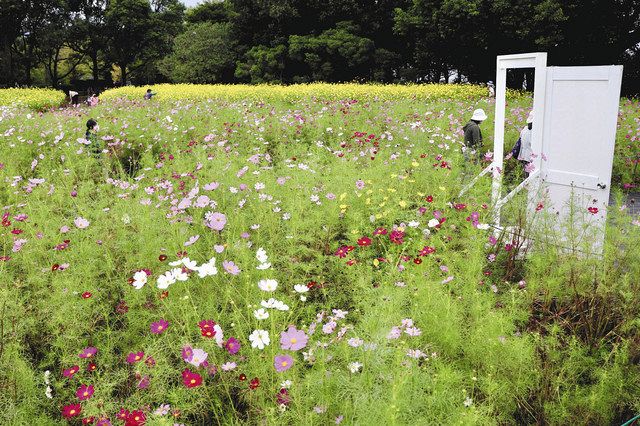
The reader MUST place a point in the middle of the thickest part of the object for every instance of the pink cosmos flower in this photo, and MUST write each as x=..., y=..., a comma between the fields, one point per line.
x=88, y=352
x=191, y=240
x=293, y=339
x=81, y=222
x=134, y=357
x=282, y=363
x=159, y=326
x=84, y=392
x=198, y=357
x=230, y=267
x=215, y=221
x=360, y=184
x=211, y=186
x=218, y=248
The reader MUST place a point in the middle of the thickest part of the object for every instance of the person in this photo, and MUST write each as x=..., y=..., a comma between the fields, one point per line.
x=492, y=89
x=522, y=149
x=473, y=135
x=92, y=100
x=92, y=136
x=149, y=95
x=74, y=97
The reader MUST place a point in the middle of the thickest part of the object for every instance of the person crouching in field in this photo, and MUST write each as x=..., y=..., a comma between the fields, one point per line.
x=95, y=148
x=149, y=95
x=473, y=136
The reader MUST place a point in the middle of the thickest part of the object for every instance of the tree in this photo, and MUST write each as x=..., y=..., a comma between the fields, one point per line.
x=87, y=35
x=204, y=53
x=209, y=11
x=263, y=64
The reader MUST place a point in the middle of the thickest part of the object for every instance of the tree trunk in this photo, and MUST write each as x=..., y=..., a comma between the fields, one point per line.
x=94, y=69
x=123, y=74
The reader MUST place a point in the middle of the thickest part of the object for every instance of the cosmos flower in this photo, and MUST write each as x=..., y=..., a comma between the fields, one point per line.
x=282, y=363
x=84, y=392
x=72, y=410
x=191, y=379
x=159, y=326
x=293, y=339
x=259, y=339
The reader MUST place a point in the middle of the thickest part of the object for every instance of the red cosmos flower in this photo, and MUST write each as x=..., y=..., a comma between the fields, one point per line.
x=71, y=410
x=593, y=210
x=254, y=384
x=5, y=220
x=426, y=250
x=364, y=241
x=351, y=262
x=283, y=397
x=84, y=392
x=311, y=284
x=122, y=414
x=380, y=231
x=91, y=367
x=242, y=377
x=191, y=379
x=164, y=295
x=206, y=328
x=429, y=199
x=342, y=251
x=417, y=261
x=459, y=206
x=69, y=372
x=351, y=248
x=86, y=295
x=88, y=420
x=396, y=236
x=17, y=231
x=55, y=267
x=162, y=257
x=539, y=207
x=136, y=418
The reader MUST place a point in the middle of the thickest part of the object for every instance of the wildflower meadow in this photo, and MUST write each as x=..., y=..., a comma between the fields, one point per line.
x=299, y=256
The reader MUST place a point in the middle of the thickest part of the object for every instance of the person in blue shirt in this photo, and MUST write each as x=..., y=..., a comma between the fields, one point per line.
x=149, y=95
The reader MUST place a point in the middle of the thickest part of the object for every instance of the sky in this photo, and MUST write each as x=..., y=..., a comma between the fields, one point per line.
x=190, y=2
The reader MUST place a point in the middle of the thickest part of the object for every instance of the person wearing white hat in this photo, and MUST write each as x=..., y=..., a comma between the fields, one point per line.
x=492, y=89
x=73, y=95
x=473, y=134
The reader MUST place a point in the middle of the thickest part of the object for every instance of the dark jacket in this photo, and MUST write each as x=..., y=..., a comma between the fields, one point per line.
x=472, y=135
x=95, y=147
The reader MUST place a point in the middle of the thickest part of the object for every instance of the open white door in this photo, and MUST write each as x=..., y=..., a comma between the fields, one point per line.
x=578, y=139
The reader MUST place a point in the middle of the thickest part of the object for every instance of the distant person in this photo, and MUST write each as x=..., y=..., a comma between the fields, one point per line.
x=92, y=100
x=522, y=149
x=492, y=89
x=473, y=135
x=91, y=135
x=74, y=97
x=149, y=94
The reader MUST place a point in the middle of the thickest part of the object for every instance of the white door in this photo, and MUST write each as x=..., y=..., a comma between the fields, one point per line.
x=578, y=139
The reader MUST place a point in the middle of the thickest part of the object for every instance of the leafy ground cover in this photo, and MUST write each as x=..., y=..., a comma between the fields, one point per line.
x=276, y=262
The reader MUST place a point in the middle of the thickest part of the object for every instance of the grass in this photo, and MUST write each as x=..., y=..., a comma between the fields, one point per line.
x=465, y=332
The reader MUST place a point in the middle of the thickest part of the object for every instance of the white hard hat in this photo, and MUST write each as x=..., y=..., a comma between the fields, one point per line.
x=530, y=118
x=479, y=115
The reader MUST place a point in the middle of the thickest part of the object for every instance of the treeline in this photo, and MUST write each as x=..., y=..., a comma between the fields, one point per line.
x=145, y=41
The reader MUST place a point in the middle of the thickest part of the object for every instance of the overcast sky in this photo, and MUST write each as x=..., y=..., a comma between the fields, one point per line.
x=191, y=2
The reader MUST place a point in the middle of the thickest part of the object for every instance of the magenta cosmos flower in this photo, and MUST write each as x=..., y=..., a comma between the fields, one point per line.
x=282, y=363
x=84, y=392
x=232, y=345
x=134, y=357
x=215, y=221
x=159, y=326
x=293, y=339
x=88, y=352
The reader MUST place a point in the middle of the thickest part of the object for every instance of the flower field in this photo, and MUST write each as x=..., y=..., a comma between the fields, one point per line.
x=35, y=99
x=296, y=257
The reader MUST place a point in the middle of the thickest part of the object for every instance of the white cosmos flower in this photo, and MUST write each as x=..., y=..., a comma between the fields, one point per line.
x=208, y=269
x=190, y=264
x=354, y=367
x=268, y=285
x=261, y=314
x=259, y=339
x=261, y=255
x=413, y=224
x=281, y=306
x=269, y=304
x=263, y=266
x=433, y=222
x=219, y=336
x=139, y=279
x=179, y=275
x=483, y=226
x=300, y=288
x=48, y=393
x=176, y=262
x=165, y=280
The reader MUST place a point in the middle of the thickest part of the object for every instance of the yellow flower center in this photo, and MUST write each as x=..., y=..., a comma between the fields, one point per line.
x=284, y=363
x=85, y=393
x=193, y=381
x=294, y=340
x=72, y=412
